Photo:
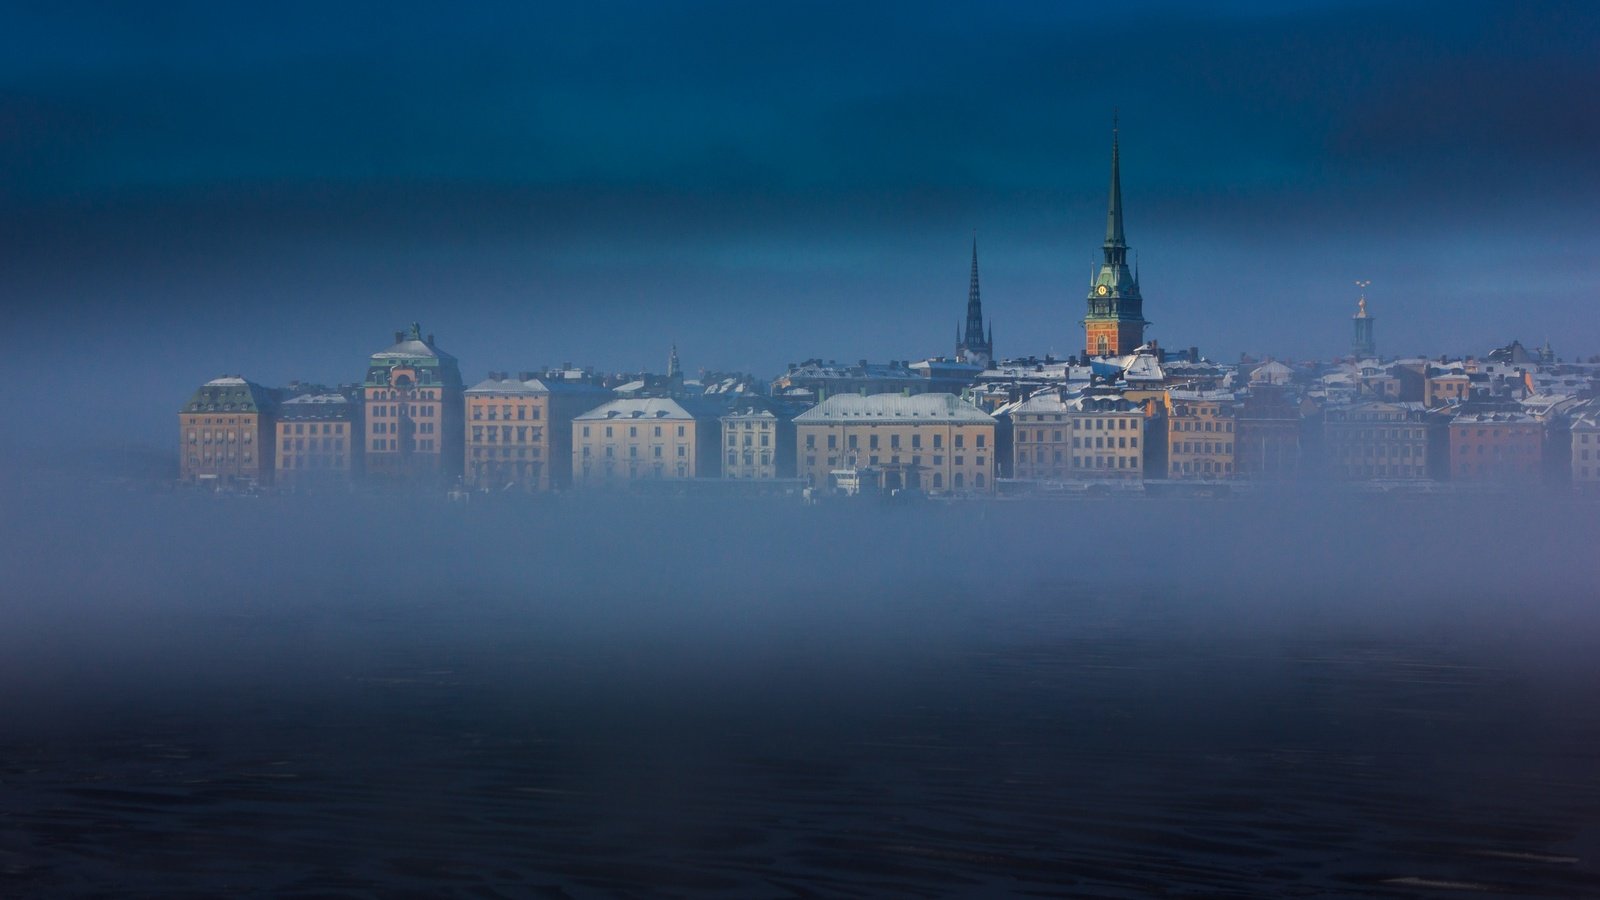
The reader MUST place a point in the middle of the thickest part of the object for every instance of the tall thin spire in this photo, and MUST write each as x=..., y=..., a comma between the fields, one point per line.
x=970, y=341
x=1114, y=236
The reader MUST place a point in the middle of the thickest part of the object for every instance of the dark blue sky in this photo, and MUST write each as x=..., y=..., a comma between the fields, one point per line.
x=202, y=189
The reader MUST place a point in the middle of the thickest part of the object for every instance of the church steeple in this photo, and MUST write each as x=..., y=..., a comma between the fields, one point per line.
x=1114, y=236
x=971, y=345
x=1115, y=322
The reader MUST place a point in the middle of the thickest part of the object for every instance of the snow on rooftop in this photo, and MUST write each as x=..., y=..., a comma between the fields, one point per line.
x=918, y=407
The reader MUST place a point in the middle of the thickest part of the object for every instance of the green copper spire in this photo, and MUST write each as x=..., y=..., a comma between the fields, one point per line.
x=1114, y=237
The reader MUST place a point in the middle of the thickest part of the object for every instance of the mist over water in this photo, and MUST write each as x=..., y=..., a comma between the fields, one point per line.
x=598, y=695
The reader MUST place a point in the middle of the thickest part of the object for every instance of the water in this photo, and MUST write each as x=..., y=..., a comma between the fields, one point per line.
x=779, y=702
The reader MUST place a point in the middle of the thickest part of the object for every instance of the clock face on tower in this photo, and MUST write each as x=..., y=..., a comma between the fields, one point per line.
x=1101, y=290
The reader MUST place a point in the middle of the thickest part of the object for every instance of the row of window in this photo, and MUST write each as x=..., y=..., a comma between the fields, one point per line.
x=853, y=442
x=304, y=428
x=424, y=411
x=491, y=413
x=505, y=452
x=222, y=437
x=1202, y=447
x=312, y=462
x=633, y=431
x=633, y=451
x=218, y=457
x=1193, y=425
x=733, y=440
x=425, y=445
x=502, y=434
x=298, y=445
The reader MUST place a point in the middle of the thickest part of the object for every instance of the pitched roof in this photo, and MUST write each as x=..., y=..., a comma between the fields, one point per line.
x=845, y=408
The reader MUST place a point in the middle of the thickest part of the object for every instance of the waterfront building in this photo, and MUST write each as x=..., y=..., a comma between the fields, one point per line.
x=1114, y=325
x=974, y=346
x=1500, y=446
x=1585, y=437
x=1200, y=434
x=1093, y=435
x=1267, y=445
x=758, y=440
x=412, y=411
x=225, y=434
x=937, y=443
x=647, y=438
x=519, y=430
x=318, y=440
x=1382, y=440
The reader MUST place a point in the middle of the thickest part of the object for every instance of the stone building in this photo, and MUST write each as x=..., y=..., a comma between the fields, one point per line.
x=1267, y=445
x=1382, y=440
x=936, y=443
x=1200, y=434
x=318, y=440
x=412, y=411
x=519, y=430
x=758, y=440
x=225, y=433
x=1498, y=446
x=635, y=439
x=1085, y=436
x=1586, y=448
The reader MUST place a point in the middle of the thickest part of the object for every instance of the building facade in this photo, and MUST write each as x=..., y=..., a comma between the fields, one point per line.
x=636, y=439
x=758, y=441
x=1267, y=445
x=1086, y=436
x=936, y=443
x=1200, y=434
x=412, y=407
x=1586, y=449
x=1505, y=447
x=318, y=440
x=519, y=430
x=1381, y=440
x=1114, y=325
x=225, y=434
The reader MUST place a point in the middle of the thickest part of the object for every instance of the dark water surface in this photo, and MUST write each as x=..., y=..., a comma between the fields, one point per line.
x=1198, y=700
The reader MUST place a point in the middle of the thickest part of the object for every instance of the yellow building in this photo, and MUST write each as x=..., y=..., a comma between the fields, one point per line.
x=937, y=443
x=1200, y=434
x=317, y=440
x=519, y=430
x=1087, y=436
x=225, y=434
x=646, y=438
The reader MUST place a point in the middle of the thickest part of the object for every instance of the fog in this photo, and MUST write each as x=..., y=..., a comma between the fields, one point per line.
x=594, y=695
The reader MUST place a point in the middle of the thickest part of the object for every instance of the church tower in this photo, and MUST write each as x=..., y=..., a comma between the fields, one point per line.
x=973, y=347
x=1115, y=323
x=1363, y=344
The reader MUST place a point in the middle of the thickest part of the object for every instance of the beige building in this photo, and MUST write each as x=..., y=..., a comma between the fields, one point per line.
x=645, y=438
x=758, y=442
x=1200, y=434
x=316, y=440
x=519, y=430
x=1382, y=440
x=1586, y=449
x=937, y=443
x=1080, y=437
x=225, y=434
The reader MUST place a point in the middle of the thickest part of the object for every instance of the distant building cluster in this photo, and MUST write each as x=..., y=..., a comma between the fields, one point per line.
x=1127, y=413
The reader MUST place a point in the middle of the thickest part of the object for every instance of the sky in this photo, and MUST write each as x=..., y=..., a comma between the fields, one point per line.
x=189, y=189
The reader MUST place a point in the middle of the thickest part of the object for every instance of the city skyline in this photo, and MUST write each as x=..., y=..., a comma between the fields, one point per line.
x=253, y=195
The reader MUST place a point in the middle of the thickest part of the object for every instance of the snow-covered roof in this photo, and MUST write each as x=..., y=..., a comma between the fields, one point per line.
x=850, y=408
x=638, y=408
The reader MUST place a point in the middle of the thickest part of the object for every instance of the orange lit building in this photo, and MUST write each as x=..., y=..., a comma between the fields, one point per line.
x=519, y=430
x=225, y=434
x=413, y=411
x=1200, y=434
x=318, y=439
x=1496, y=446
